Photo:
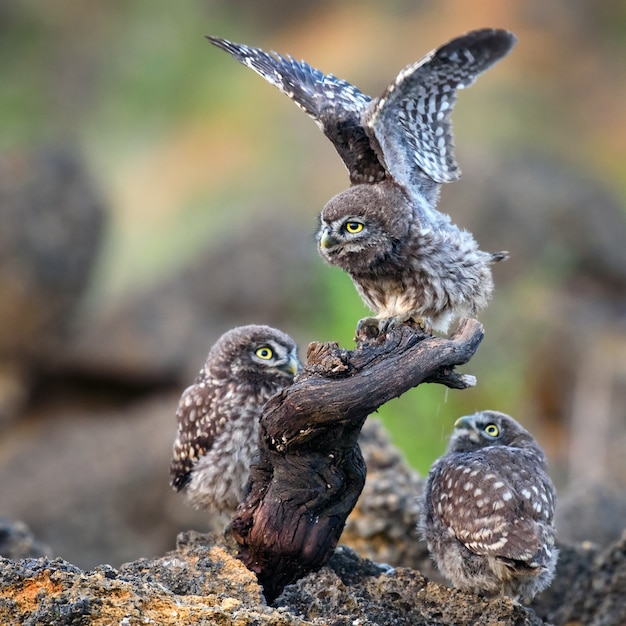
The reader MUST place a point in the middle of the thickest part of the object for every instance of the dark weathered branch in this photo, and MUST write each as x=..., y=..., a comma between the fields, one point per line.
x=309, y=472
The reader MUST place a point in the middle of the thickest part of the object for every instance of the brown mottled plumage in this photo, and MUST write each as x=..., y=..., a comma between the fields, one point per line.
x=406, y=259
x=488, y=509
x=403, y=266
x=218, y=415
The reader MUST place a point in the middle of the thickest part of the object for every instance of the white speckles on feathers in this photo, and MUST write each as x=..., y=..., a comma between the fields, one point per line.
x=488, y=510
x=218, y=415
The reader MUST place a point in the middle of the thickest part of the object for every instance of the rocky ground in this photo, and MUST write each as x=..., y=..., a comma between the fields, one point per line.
x=202, y=582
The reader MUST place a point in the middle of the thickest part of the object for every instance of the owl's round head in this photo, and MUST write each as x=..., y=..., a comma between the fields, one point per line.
x=255, y=353
x=364, y=225
x=489, y=428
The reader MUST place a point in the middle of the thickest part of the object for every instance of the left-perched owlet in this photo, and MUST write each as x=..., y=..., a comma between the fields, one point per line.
x=488, y=509
x=218, y=415
x=406, y=259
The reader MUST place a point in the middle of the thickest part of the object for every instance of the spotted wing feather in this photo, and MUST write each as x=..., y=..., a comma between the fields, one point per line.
x=410, y=123
x=483, y=509
x=335, y=105
x=199, y=424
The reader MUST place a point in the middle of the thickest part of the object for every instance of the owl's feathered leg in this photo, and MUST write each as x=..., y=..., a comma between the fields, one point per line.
x=371, y=327
x=410, y=318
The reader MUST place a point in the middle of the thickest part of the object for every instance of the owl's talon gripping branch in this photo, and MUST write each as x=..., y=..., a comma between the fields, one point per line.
x=367, y=328
x=371, y=327
x=309, y=471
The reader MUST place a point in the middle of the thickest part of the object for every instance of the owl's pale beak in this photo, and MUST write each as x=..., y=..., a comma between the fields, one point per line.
x=292, y=366
x=467, y=422
x=327, y=240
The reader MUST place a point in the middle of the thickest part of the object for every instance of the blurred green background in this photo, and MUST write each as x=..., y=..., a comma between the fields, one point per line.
x=190, y=150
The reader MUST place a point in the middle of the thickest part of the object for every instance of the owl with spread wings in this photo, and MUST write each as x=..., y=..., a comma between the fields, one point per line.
x=408, y=261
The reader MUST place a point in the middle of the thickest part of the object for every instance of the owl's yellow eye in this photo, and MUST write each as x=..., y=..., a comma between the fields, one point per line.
x=353, y=227
x=492, y=430
x=264, y=352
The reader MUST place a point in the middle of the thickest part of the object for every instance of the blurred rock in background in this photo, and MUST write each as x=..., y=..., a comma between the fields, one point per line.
x=592, y=512
x=263, y=272
x=51, y=227
x=17, y=542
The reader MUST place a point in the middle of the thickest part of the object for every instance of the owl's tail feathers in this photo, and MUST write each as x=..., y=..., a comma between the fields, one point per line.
x=499, y=256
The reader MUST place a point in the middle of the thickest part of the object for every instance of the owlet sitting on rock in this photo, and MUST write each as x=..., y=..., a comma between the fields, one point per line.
x=407, y=260
x=218, y=416
x=488, y=509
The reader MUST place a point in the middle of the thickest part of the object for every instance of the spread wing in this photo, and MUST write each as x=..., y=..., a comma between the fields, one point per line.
x=336, y=106
x=410, y=124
